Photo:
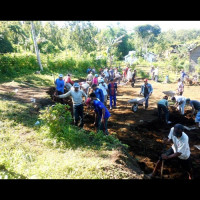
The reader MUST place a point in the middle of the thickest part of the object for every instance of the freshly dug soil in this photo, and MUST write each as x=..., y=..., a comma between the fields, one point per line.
x=144, y=133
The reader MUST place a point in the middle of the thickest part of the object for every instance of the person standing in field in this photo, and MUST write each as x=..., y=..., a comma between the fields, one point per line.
x=68, y=82
x=98, y=92
x=95, y=79
x=133, y=77
x=180, y=88
x=60, y=85
x=77, y=100
x=112, y=90
x=89, y=78
x=156, y=74
x=146, y=91
x=104, y=87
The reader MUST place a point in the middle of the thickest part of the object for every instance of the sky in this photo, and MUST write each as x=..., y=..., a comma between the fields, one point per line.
x=164, y=25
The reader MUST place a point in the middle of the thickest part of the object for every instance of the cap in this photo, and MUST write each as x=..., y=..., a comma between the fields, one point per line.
x=87, y=102
x=96, y=75
x=145, y=80
x=76, y=84
x=60, y=75
x=101, y=80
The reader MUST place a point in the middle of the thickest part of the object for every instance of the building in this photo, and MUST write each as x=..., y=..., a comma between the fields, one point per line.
x=131, y=57
x=194, y=54
x=150, y=57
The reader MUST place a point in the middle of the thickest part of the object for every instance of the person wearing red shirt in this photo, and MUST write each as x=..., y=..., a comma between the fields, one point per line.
x=68, y=81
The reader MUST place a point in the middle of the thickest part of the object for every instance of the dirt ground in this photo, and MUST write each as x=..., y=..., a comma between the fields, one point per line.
x=140, y=130
x=145, y=137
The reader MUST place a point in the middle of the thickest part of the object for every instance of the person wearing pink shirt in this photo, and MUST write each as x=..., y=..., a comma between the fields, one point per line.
x=95, y=79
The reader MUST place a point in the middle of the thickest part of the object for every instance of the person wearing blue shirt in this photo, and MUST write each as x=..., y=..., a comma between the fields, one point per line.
x=60, y=84
x=98, y=92
x=101, y=113
x=146, y=91
x=195, y=107
x=163, y=106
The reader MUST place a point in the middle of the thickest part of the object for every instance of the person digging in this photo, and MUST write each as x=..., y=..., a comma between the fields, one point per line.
x=179, y=150
x=101, y=113
x=195, y=108
x=162, y=105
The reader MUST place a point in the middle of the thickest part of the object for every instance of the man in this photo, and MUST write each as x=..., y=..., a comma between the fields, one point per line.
x=163, y=106
x=156, y=74
x=85, y=87
x=98, y=92
x=182, y=77
x=180, y=102
x=111, y=73
x=133, y=77
x=152, y=72
x=68, y=82
x=101, y=113
x=89, y=78
x=104, y=87
x=195, y=107
x=89, y=70
x=112, y=90
x=106, y=74
x=146, y=91
x=179, y=150
x=77, y=103
x=60, y=84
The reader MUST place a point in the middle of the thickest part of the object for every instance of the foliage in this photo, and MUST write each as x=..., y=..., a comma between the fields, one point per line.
x=58, y=120
x=5, y=44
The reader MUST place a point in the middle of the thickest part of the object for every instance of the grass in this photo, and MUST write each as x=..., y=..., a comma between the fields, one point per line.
x=29, y=152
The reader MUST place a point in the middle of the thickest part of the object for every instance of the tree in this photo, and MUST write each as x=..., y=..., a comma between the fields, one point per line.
x=145, y=33
x=36, y=46
x=82, y=36
x=5, y=45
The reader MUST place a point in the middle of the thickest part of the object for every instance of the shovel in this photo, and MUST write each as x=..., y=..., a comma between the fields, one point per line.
x=162, y=166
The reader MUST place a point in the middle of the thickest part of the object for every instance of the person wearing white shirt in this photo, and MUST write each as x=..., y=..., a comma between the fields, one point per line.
x=104, y=87
x=156, y=74
x=180, y=149
x=180, y=103
x=106, y=74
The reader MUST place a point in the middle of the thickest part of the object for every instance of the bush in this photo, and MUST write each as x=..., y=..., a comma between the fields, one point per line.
x=5, y=45
x=57, y=121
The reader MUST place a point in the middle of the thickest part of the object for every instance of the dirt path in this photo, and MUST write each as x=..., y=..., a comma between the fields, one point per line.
x=145, y=137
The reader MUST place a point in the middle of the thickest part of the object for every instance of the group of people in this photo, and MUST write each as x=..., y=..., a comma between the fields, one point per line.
x=96, y=92
x=98, y=87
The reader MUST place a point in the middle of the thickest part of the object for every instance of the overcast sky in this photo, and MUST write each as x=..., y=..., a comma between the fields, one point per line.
x=164, y=25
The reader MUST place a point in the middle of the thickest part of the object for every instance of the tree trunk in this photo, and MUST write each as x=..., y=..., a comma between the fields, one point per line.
x=36, y=46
